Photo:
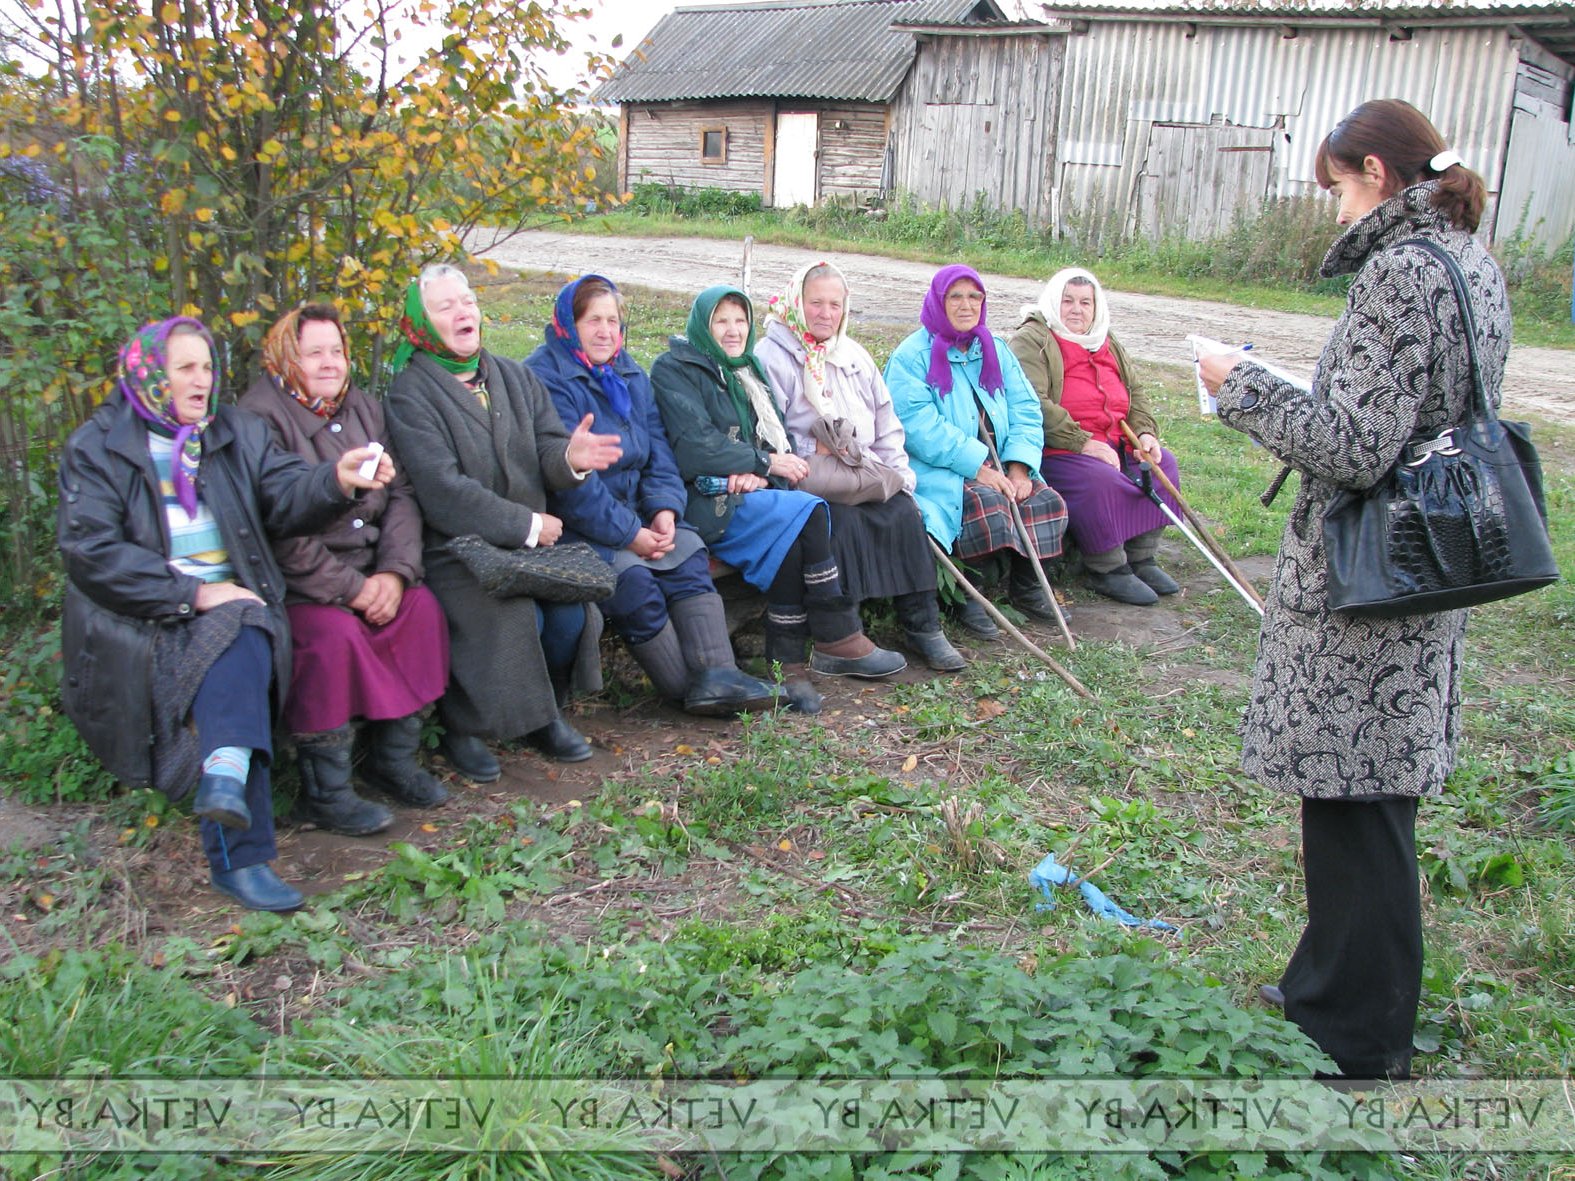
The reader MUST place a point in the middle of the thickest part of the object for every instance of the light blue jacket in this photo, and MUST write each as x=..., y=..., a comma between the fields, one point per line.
x=943, y=433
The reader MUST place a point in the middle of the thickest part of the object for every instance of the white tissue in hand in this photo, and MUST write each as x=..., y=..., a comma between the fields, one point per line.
x=368, y=467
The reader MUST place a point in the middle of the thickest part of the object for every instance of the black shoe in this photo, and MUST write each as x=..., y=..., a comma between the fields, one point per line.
x=801, y=696
x=1158, y=581
x=1031, y=601
x=560, y=741
x=1271, y=995
x=872, y=666
x=1124, y=587
x=468, y=755
x=723, y=692
x=976, y=621
x=391, y=767
x=257, y=887
x=327, y=798
x=937, y=651
x=222, y=799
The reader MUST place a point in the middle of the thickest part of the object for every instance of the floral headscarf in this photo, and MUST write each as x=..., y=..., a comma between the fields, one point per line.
x=282, y=358
x=418, y=334
x=788, y=308
x=1049, y=306
x=145, y=383
x=563, y=334
x=747, y=383
x=933, y=317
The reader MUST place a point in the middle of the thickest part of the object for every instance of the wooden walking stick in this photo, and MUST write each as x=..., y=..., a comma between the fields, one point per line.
x=1027, y=539
x=1197, y=522
x=1007, y=625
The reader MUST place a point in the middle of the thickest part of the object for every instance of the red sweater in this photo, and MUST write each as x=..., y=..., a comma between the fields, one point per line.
x=1092, y=391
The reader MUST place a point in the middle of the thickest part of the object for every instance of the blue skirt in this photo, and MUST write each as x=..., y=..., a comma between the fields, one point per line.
x=763, y=528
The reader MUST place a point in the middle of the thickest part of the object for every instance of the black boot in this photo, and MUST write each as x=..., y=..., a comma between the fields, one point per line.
x=391, y=765
x=1026, y=593
x=662, y=659
x=327, y=799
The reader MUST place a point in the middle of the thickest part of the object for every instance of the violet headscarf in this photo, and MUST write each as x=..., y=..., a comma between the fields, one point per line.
x=933, y=317
x=564, y=334
x=145, y=383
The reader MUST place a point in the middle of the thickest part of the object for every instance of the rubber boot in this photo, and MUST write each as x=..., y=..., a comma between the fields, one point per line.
x=716, y=687
x=327, y=799
x=391, y=766
x=662, y=659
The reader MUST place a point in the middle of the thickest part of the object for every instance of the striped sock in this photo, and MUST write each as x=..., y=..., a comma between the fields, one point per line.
x=233, y=762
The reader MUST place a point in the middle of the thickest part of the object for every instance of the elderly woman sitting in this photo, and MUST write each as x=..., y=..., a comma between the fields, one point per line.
x=483, y=446
x=1085, y=386
x=734, y=453
x=665, y=605
x=840, y=419
x=175, y=632
x=368, y=641
x=962, y=397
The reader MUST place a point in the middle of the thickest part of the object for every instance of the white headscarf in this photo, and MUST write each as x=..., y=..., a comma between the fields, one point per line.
x=839, y=350
x=1049, y=307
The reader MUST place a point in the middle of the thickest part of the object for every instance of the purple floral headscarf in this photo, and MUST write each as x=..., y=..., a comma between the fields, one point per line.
x=145, y=383
x=933, y=317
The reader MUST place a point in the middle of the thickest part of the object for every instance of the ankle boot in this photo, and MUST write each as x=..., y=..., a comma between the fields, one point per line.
x=1025, y=592
x=841, y=647
x=662, y=659
x=391, y=766
x=327, y=799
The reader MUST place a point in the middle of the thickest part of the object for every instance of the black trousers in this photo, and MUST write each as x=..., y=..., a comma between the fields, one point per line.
x=1355, y=979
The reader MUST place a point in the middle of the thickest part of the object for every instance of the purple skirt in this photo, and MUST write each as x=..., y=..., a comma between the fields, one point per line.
x=1105, y=508
x=345, y=668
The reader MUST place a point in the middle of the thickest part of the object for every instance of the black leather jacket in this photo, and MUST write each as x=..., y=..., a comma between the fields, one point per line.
x=121, y=588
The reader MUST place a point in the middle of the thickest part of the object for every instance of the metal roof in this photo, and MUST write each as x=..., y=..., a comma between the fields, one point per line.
x=843, y=50
x=1552, y=22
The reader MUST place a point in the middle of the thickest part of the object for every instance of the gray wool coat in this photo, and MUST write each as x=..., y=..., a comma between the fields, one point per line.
x=1344, y=706
x=486, y=471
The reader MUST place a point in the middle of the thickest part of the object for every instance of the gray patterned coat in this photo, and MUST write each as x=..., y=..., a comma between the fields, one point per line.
x=1344, y=706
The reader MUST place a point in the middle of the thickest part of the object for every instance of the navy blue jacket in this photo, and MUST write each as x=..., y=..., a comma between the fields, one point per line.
x=611, y=506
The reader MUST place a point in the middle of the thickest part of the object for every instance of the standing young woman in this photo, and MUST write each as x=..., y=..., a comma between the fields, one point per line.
x=1358, y=716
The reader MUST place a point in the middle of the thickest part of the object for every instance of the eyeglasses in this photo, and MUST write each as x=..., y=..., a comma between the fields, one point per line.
x=965, y=297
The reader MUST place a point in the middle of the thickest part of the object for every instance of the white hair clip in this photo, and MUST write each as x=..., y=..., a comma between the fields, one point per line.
x=1445, y=159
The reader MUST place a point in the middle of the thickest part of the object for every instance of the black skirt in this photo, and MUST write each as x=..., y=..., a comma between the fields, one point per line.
x=882, y=550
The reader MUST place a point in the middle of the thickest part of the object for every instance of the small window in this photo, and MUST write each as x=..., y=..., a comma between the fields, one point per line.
x=713, y=145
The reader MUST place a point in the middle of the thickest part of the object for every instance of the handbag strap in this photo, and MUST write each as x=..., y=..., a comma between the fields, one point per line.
x=1480, y=407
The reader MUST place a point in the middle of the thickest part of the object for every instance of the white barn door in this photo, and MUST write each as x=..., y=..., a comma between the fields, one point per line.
x=798, y=136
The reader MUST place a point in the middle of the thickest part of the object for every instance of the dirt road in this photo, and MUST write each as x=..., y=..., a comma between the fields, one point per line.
x=885, y=290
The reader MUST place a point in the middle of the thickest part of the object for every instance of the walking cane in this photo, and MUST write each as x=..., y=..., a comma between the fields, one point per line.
x=1027, y=540
x=1223, y=562
x=994, y=612
x=1146, y=486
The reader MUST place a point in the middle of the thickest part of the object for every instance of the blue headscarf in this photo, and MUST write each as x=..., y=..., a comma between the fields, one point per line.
x=562, y=333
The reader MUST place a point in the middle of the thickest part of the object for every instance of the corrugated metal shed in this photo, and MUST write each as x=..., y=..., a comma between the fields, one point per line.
x=810, y=50
x=1551, y=22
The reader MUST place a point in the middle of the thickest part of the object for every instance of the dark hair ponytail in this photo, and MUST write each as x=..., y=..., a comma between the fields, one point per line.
x=1402, y=137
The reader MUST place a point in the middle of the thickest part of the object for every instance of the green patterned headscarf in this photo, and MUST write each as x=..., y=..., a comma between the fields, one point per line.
x=420, y=336
x=698, y=330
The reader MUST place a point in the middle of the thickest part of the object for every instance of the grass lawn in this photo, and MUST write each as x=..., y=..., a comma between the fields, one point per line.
x=846, y=895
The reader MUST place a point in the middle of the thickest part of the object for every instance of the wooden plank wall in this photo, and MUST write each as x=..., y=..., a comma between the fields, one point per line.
x=978, y=115
x=663, y=144
x=1197, y=178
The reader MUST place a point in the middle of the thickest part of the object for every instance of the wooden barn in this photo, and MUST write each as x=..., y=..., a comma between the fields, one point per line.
x=1179, y=117
x=803, y=101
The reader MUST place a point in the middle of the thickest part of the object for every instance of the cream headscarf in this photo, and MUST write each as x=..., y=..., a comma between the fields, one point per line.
x=1049, y=306
x=788, y=308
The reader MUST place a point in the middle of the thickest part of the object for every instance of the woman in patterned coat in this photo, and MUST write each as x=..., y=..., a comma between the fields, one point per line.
x=1361, y=717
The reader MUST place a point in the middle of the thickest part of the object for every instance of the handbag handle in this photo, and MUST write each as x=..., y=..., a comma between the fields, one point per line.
x=1481, y=408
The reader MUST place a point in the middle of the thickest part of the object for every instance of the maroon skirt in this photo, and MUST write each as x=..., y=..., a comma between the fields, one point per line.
x=345, y=668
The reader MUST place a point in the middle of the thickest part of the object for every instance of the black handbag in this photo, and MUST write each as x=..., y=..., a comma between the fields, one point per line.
x=1460, y=520
x=570, y=573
